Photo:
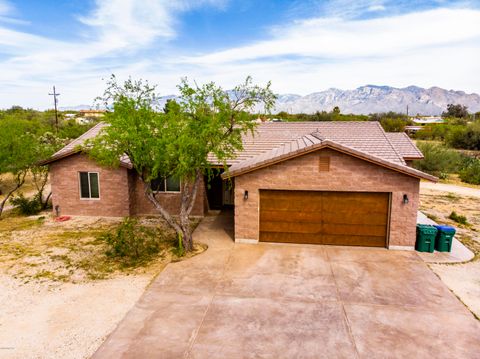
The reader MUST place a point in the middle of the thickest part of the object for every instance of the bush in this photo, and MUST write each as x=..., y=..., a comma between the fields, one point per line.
x=465, y=137
x=458, y=218
x=26, y=206
x=394, y=124
x=132, y=242
x=438, y=160
x=470, y=173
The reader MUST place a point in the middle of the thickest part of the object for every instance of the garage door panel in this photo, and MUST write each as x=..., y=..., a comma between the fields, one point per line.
x=291, y=227
x=291, y=216
x=349, y=240
x=342, y=204
x=293, y=205
x=341, y=218
x=305, y=238
x=375, y=218
x=354, y=229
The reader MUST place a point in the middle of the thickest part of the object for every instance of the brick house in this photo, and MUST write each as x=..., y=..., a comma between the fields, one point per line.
x=342, y=183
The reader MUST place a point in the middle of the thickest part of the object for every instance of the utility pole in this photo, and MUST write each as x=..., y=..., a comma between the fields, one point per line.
x=55, y=101
x=407, y=110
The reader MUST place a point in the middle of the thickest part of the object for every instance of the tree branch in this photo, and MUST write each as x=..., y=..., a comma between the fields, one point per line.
x=164, y=213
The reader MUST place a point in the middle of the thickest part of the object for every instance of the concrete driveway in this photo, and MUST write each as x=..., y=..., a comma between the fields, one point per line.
x=292, y=301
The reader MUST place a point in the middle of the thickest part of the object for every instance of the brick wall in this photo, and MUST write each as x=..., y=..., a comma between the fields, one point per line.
x=170, y=201
x=346, y=173
x=114, y=197
x=121, y=191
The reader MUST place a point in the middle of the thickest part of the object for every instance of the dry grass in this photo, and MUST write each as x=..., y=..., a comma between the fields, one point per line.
x=438, y=206
x=38, y=248
x=455, y=179
x=7, y=182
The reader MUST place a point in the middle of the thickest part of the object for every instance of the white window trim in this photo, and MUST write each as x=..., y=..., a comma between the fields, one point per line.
x=89, y=187
x=165, y=186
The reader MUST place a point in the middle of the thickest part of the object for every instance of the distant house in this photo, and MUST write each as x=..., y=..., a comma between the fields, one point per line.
x=341, y=183
x=87, y=116
x=427, y=120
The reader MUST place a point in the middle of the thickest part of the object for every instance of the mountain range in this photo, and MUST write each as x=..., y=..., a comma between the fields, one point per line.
x=368, y=99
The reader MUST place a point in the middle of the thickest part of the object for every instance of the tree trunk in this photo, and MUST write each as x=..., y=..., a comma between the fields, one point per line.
x=182, y=227
x=19, y=181
x=45, y=204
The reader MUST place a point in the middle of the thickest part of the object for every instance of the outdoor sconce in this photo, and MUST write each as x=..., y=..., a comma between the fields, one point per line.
x=405, y=199
x=57, y=210
x=245, y=195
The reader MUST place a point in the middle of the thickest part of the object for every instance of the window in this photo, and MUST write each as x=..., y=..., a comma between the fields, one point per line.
x=89, y=185
x=168, y=184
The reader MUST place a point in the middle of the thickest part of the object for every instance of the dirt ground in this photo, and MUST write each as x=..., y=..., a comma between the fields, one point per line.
x=464, y=278
x=60, y=294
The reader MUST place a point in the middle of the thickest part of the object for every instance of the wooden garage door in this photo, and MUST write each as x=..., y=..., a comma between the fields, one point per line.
x=339, y=218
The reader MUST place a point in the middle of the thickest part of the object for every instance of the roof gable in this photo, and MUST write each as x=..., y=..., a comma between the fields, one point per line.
x=310, y=143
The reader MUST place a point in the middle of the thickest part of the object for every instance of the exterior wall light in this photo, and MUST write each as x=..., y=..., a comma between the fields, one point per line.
x=245, y=195
x=405, y=199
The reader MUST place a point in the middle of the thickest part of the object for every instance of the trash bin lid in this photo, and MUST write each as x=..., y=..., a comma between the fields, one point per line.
x=445, y=228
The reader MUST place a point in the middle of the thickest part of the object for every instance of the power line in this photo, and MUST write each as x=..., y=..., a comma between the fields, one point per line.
x=55, y=101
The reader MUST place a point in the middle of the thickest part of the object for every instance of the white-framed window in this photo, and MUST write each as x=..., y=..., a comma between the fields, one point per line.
x=165, y=184
x=89, y=185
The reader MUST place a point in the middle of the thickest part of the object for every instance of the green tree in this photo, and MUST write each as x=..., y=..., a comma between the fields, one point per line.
x=456, y=111
x=17, y=153
x=176, y=144
x=172, y=106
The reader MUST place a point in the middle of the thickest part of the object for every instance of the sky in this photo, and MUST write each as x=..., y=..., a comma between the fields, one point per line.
x=301, y=46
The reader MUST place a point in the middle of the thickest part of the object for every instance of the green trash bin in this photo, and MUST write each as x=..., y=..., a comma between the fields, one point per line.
x=444, y=239
x=426, y=235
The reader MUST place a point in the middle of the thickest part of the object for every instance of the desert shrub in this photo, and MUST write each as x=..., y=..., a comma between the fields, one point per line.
x=26, y=206
x=133, y=243
x=470, y=173
x=394, y=124
x=458, y=218
x=438, y=160
x=465, y=137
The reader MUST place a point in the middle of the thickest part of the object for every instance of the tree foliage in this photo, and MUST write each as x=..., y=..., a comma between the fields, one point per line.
x=456, y=111
x=176, y=143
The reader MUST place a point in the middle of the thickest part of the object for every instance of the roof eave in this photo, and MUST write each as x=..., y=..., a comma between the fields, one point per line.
x=71, y=153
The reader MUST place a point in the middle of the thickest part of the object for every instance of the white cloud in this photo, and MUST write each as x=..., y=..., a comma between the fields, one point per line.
x=116, y=29
x=437, y=47
x=5, y=8
x=335, y=38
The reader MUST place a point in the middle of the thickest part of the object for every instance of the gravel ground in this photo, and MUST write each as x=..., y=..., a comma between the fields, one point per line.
x=439, y=200
x=64, y=320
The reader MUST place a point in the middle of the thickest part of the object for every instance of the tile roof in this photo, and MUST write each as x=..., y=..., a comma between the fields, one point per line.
x=366, y=136
x=309, y=143
x=273, y=141
x=405, y=145
x=74, y=146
